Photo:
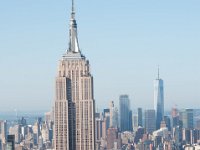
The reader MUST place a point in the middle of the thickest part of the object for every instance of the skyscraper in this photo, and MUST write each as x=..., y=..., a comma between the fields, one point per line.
x=113, y=115
x=159, y=100
x=125, y=118
x=150, y=120
x=111, y=106
x=74, y=112
x=140, y=117
x=10, y=144
x=3, y=129
x=187, y=118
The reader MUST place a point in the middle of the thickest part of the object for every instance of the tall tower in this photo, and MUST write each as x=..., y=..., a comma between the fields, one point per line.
x=159, y=100
x=74, y=127
x=140, y=117
x=111, y=106
x=125, y=113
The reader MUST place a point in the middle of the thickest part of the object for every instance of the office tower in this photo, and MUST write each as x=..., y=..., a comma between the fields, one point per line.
x=10, y=144
x=135, y=122
x=115, y=118
x=36, y=132
x=16, y=130
x=104, y=130
x=187, y=118
x=45, y=132
x=130, y=121
x=106, y=115
x=124, y=108
x=74, y=109
x=3, y=128
x=111, y=107
x=195, y=135
x=159, y=100
x=177, y=136
x=150, y=120
x=140, y=117
x=186, y=135
x=113, y=115
x=98, y=129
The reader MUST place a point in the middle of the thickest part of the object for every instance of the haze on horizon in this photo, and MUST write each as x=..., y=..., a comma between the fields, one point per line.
x=124, y=41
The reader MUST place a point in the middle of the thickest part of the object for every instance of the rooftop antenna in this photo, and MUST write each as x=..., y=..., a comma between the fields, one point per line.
x=72, y=5
x=158, y=72
x=73, y=10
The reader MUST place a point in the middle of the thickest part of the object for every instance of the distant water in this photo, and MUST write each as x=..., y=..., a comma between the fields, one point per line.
x=13, y=117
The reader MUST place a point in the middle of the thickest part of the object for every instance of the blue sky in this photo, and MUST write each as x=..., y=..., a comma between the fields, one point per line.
x=125, y=41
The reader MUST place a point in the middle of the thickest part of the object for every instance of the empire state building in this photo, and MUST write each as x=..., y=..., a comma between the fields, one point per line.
x=74, y=102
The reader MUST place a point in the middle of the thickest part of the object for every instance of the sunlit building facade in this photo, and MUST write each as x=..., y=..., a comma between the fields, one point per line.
x=74, y=127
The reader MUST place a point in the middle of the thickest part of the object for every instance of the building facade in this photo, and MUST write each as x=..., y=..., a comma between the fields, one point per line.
x=159, y=100
x=3, y=128
x=125, y=118
x=150, y=120
x=74, y=109
x=140, y=117
x=187, y=118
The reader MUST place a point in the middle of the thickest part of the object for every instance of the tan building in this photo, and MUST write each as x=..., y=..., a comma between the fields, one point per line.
x=113, y=139
x=74, y=105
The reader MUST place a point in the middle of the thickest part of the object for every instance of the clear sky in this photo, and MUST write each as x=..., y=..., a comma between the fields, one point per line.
x=125, y=41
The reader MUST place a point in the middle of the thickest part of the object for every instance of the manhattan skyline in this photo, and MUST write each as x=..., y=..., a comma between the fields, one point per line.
x=125, y=42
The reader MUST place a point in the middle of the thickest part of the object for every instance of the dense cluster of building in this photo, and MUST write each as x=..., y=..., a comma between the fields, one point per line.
x=178, y=131
x=23, y=136
x=73, y=124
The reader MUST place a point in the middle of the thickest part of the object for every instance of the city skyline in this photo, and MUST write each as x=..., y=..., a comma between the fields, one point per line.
x=125, y=50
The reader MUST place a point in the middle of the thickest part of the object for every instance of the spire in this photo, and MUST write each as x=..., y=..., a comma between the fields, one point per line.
x=73, y=10
x=158, y=72
x=73, y=38
x=72, y=5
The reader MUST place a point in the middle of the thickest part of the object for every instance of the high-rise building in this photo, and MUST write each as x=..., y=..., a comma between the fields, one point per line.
x=106, y=115
x=150, y=120
x=135, y=122
x=113, y=115
x=16, y=131
x=98, y=129
x=159, y=100
x=140, y=117
x=10, y=144
x=187, y=118
x=111, y=106
x=3, y=128
x=124, y=110
x=74, y=109
x=130, y=120
x=115, y=118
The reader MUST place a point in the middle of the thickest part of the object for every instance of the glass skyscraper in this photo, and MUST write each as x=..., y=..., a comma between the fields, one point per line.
x=159, y=100
x=125, y=113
